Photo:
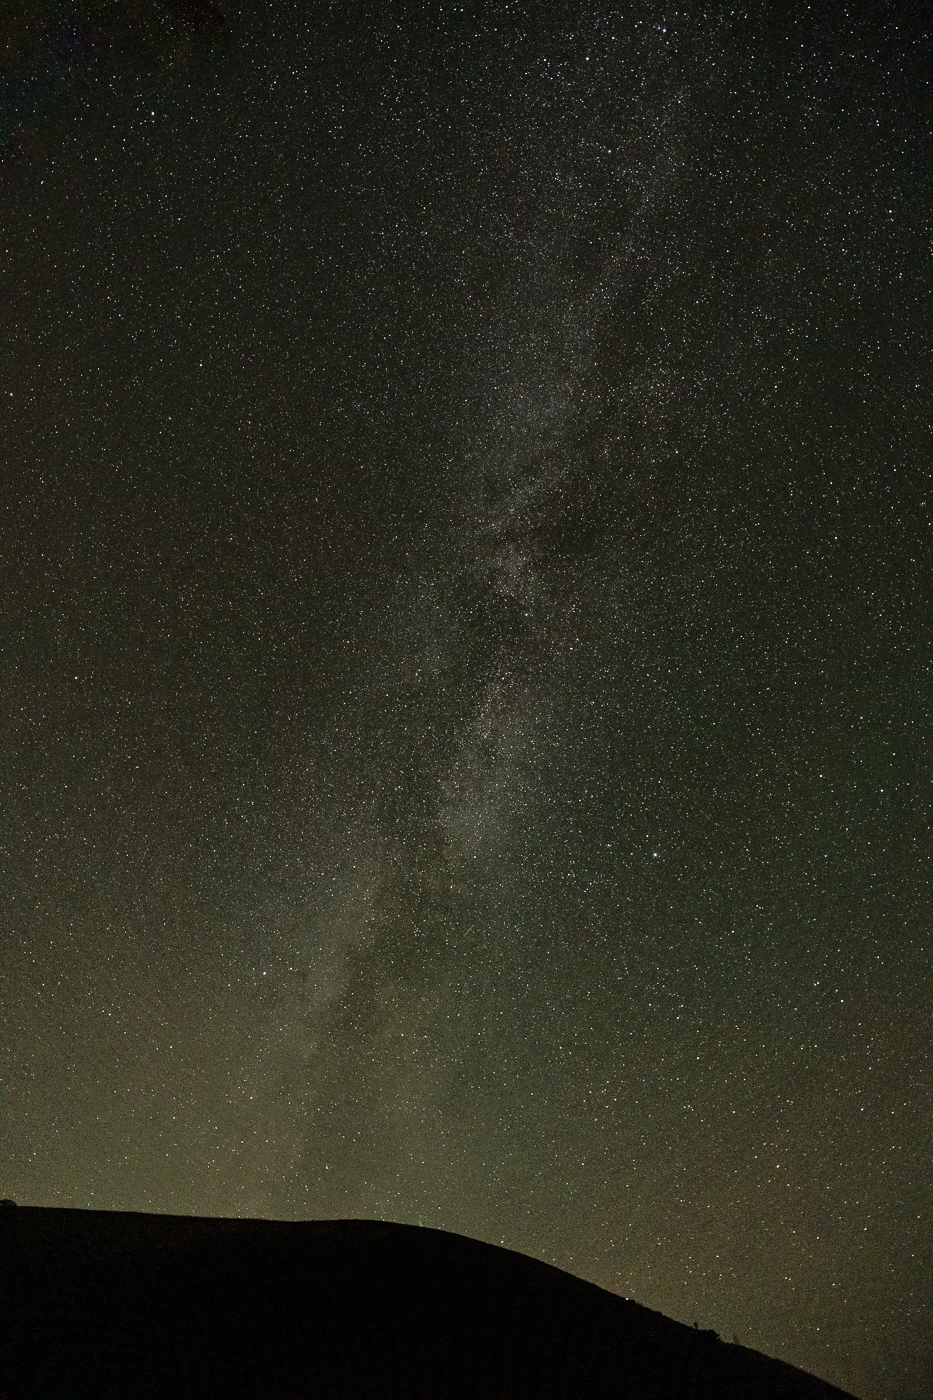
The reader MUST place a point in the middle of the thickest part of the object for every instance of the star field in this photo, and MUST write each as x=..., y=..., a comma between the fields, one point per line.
x=463, y=684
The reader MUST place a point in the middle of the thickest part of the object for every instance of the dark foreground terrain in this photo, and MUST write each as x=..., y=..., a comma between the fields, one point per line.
x=114, y=1306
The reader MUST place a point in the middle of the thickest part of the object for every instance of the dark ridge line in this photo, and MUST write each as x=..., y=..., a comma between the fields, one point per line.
x=115, y=1305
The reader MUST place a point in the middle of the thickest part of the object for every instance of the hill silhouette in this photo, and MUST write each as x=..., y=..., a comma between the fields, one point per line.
x=105, y=1305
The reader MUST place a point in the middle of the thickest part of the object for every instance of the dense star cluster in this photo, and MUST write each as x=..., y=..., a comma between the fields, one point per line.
x=465, y=481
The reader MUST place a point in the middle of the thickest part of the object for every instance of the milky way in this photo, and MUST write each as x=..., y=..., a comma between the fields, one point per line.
x=464, y=682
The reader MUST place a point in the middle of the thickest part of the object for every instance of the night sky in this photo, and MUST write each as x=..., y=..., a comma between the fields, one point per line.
x=463, y=690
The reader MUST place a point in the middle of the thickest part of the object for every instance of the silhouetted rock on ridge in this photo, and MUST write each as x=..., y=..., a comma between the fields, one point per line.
x=98, y=1305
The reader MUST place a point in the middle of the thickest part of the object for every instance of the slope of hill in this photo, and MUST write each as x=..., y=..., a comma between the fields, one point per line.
x=99, y=1305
